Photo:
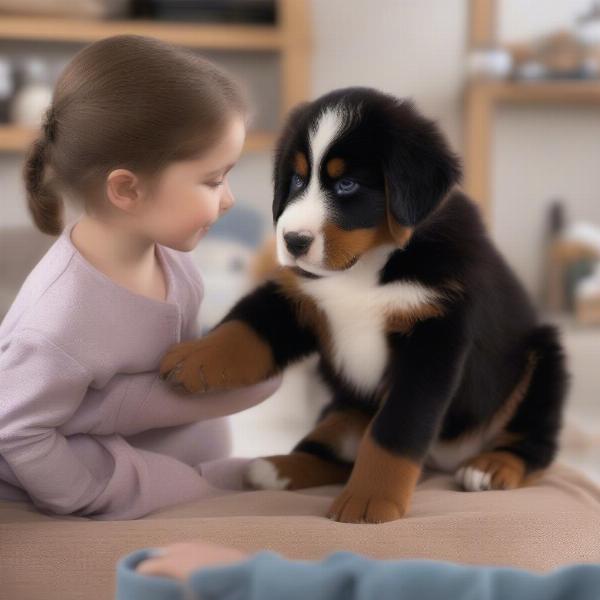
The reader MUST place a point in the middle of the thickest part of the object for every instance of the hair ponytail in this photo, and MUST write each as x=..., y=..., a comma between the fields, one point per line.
x=45, y=206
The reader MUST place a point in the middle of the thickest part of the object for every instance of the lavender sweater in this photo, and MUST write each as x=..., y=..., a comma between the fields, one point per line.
x=86, y=425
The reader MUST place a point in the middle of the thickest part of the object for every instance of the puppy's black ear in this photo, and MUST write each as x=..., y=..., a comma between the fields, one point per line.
x=419, y=167
x=283, y=164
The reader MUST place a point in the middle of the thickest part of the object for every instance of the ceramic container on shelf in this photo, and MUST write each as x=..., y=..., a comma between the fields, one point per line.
x=34, y=96
x=489, y=63
x=7, y=88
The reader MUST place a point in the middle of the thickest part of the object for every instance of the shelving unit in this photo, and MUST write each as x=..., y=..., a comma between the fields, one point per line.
x=290, y=38
x=483, y=97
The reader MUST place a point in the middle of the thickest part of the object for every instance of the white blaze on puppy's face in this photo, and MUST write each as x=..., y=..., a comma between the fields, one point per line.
x=308, y=212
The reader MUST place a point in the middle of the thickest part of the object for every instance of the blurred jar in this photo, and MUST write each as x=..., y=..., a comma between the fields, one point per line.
x=34, y=96
x=7, y=88
x=489, y=63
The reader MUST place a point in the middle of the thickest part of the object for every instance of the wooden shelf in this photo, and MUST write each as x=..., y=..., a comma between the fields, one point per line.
x=481, y=99
x=217, y=37
x=554, y=91
x=290, y=39
x=16, y=139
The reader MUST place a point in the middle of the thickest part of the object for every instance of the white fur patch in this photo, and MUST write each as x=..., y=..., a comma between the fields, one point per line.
x=473, y=480
x=308, y=212
x=355, y=305
x=263, y=475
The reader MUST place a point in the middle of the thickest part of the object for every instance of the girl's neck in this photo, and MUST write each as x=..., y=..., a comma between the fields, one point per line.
x=126, y=258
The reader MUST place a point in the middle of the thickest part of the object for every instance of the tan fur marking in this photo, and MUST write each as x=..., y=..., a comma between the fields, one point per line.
x=506, y=470
x=232, y=355
x=379, y=488
x=508, y=409
x=404, y=321
x=307, y=311
x=401, y=234
x=301, y=164
x=334, y=428
x=504, y=414
x=343, y=248
x=336, y=168
x=307, y=470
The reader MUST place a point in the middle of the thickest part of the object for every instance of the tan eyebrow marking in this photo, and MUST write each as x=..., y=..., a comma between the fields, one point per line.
x=301, y=164
x=336, y=167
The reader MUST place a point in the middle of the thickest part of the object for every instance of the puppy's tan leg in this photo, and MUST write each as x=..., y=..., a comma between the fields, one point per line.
x=379, y=488
x=323, y=457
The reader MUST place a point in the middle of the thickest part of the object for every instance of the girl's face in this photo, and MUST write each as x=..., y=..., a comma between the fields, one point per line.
x=192, y=194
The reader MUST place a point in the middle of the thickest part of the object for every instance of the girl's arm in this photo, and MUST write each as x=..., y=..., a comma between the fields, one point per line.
x=343, y=576
x=41, y=387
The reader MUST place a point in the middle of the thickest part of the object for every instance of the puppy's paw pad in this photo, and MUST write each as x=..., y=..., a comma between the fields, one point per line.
x=350, y=508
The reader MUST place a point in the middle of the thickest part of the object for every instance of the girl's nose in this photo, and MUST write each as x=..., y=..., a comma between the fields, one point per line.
x=227, y=200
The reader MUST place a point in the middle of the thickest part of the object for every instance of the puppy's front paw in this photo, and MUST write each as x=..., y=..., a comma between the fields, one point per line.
x=192, y=367
x=232, y=355
x=352, y=507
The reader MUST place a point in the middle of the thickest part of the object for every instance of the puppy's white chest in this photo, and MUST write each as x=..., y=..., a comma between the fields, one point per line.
x=359, y=344
x=356, y=308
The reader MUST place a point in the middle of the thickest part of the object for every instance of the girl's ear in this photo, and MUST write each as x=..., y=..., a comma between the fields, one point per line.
x=124, y=190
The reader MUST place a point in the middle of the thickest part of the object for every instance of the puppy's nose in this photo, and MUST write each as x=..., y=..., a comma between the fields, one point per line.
x=298, y=243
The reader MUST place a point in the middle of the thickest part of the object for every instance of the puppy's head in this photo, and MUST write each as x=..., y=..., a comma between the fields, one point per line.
x=355, y=169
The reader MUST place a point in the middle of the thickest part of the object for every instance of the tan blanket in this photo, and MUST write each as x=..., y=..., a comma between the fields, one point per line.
x=555, y=522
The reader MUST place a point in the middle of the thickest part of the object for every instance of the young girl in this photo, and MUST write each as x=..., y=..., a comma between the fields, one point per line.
x=142, y=135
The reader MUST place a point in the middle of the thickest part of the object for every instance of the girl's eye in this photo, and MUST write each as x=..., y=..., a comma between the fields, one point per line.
x=296, y=183
x=345, y=187
x=215, y=184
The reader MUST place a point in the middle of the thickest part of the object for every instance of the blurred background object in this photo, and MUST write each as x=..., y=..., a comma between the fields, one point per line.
x=515, y=85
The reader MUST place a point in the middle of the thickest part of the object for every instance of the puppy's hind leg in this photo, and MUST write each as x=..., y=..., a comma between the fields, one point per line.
x=529, y=442
x=324, y=457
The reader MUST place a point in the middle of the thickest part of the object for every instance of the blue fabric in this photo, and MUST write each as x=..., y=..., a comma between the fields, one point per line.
x=134, y=585
x=347, y=576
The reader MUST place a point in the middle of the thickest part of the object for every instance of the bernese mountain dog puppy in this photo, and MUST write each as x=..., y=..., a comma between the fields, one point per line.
x=430, y=346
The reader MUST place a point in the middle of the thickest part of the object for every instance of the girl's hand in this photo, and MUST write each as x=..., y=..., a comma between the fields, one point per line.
x=179, y=561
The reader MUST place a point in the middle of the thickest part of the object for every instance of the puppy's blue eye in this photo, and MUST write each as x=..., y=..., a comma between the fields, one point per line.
x=345, y=187
x=296, y=183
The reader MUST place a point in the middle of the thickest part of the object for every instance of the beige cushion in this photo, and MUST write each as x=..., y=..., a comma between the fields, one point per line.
x=555, y=522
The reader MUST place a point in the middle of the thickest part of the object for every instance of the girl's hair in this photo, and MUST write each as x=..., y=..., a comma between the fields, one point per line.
x=124, y=102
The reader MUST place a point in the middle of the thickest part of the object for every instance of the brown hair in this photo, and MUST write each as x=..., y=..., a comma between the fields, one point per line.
x=128, y=102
